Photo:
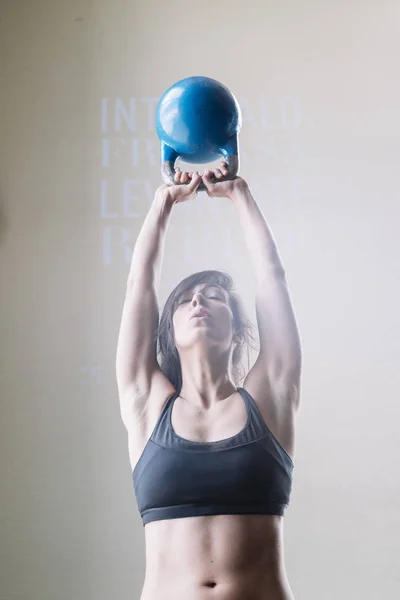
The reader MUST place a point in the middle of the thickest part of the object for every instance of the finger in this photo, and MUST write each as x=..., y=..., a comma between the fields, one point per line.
x=207, y=179
x=224, y=168
x=207, y=176
x=218, y=173
x=195, y=182
x=177, y=175
x=184, y=177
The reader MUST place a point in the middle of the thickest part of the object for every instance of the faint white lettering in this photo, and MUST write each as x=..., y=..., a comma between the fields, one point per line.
x=124, y=115
x=103, y=202
x=106, y=151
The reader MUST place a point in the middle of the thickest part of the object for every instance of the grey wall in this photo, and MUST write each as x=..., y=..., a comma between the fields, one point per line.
x=318, y=86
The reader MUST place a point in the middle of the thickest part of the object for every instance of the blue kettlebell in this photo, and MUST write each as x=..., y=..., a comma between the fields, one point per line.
x=198, y=120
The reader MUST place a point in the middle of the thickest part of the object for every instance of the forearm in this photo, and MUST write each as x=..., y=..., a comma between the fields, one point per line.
x=260, y=242
x=149, y=248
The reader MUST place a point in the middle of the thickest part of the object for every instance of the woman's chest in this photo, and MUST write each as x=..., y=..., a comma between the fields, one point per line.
x=209, y=425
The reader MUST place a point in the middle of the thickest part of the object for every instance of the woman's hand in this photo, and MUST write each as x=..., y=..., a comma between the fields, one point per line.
x=222, y=189
x=181, y=193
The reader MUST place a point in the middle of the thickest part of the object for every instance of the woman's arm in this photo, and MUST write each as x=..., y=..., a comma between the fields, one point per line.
x=280, y=347
x=280, y=354
x=136, y=359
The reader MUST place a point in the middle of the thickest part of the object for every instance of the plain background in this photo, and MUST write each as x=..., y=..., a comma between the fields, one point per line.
x=79, y=163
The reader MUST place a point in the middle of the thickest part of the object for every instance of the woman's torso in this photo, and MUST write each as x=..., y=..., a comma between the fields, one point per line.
x=219, y=557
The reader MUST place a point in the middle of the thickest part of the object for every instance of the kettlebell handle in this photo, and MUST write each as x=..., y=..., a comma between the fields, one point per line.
x=168, y=172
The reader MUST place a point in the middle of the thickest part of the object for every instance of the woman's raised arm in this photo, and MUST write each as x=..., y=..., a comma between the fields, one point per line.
x=136, y=360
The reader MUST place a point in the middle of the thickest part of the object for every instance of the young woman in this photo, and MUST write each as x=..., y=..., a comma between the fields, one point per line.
x=212, y=462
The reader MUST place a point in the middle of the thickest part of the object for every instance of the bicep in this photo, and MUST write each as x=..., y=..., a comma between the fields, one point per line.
x=136, y=357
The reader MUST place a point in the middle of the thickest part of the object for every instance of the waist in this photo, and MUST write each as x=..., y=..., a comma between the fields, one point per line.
x=236, y=589
x=219, y=547
x=226, y=557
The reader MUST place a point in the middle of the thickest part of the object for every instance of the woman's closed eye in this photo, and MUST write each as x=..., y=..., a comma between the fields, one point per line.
x=211, y=298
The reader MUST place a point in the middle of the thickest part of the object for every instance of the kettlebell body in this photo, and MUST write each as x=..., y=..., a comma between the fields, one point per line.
x=198, y=120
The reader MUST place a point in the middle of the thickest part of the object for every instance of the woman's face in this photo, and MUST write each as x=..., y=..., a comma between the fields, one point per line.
x=215, y=329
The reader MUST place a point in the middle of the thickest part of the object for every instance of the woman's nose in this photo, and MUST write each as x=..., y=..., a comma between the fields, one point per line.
x=197, y=299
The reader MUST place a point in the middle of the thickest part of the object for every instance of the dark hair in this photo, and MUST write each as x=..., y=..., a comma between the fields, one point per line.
x=168, y=356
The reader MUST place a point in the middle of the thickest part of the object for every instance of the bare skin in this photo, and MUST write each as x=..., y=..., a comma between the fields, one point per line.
x=221, y=557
